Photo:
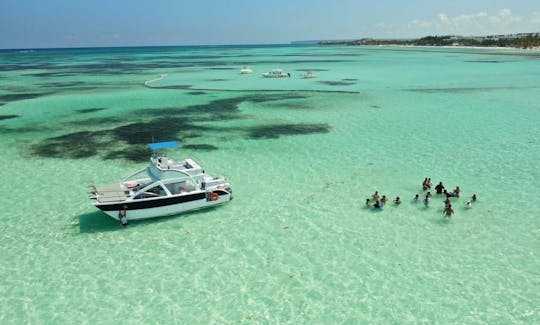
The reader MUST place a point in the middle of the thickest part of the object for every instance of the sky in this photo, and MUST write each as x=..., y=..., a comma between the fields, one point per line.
x=90, y=23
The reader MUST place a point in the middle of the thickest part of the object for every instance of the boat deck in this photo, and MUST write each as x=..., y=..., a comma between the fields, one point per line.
x=111, y=193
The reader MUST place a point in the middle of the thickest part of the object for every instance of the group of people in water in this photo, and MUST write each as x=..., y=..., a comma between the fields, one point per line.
x=379, y=201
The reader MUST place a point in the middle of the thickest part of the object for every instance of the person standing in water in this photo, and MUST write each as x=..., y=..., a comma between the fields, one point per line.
x=427, y=200
x=448, y=212
x=439, y=188
x=447, y=202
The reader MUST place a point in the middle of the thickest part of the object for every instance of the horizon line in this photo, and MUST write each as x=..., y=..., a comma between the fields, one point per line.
x=138, y=46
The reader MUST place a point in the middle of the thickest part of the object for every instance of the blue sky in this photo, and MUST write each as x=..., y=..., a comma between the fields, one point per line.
x=65, y=23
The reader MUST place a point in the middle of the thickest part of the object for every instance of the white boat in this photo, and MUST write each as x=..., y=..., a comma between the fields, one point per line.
x=308, y=75
x=246, y=70
x=165, y=187
x=276, y=73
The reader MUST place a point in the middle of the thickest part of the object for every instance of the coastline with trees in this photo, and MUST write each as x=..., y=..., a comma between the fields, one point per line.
x=520, y=41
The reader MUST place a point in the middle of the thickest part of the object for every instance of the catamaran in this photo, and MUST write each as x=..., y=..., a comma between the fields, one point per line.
x=246, y=70
x=165, y=187
x=276, y=73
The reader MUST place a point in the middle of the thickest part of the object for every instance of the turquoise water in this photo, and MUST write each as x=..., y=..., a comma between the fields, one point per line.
x=297, y=244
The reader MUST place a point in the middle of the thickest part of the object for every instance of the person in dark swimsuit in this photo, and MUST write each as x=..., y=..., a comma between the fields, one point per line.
x=439, y=188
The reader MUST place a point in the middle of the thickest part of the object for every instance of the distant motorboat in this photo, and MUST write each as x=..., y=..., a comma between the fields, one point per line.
x=246, y=70
x=276, y=73
x=308, y=75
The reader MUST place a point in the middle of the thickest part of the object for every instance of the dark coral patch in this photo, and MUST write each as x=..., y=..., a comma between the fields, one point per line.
x=132, y=153
x=14, y=97
x=484, y=61
x=202, y=147
x=76, y=145
x=337, y=83
x=145, y=132
x=276, y=130
x=89, y=110
x=97, y=121
x=7, y=117
x=62, y=84
x=160, y=129
x=163, y=124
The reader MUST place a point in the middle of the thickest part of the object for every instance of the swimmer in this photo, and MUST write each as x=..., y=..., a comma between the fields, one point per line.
x=377, y=204
x=468, y=204
x=426, y=201
x=448, y=194
x=397, y=200
x=456, y=191
x=439, y=188
x=122, y=216
x=447, y=202
x=428, y=194
x=429, y=182
x=473, y=198
x=448, y=212
x=384, y=199
x=416, y=198
x=425, y=184
x=368, y=203
x=376, y=195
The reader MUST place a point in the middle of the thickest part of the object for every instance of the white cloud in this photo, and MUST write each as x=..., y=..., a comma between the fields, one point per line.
x=504, y=17
x=503, y=21
x=443, y=18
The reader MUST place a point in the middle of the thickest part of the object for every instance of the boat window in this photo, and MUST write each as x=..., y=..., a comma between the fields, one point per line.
x=155, y=191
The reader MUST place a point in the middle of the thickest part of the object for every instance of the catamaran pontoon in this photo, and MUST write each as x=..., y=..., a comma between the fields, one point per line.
x=166, y=187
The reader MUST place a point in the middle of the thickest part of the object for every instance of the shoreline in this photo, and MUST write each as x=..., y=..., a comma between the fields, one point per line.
x=537, y=48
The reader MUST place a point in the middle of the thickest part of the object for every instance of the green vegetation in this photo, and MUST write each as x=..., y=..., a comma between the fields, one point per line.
x=524, y=41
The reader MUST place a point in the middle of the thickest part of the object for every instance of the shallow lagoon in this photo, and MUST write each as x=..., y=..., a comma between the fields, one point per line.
x=296, y=244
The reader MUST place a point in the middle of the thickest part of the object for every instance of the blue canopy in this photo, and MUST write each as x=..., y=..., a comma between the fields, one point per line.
x=162, y=145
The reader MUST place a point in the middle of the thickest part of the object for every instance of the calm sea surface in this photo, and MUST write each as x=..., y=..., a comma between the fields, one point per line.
x=297, y=244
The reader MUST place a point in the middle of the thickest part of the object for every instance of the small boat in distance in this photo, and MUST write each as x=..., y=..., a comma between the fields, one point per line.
x=163, y=188
x=308, y=75
x=276, y=73
x=245, y=70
